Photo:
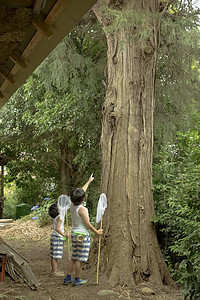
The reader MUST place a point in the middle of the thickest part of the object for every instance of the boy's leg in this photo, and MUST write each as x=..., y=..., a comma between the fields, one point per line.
x=78, y=268
x=70, y=268
x=56, y=249
x=82, y=256
x=54, y=265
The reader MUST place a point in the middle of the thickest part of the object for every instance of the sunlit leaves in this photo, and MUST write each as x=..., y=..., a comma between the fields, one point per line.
x=177, y=203
x=58, y=110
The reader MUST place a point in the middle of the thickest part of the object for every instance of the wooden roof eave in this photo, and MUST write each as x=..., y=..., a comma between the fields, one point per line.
x=64, y=15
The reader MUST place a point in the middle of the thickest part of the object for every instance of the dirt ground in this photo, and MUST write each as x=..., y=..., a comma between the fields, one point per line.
x=36, y=251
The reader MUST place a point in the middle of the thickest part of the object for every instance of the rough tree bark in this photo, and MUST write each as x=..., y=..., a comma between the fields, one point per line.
x=65, y=170
x=2, y=191
x=130, y=251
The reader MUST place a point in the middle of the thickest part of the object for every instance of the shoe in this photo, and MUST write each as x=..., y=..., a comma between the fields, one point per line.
x=66, y=280
x=80, y=282
x=58, y=273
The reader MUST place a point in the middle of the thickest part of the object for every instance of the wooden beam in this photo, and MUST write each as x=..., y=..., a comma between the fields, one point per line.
x=56, y=11
x=17, y=60
x=62, y=20
x=7, y=76
x=17, y=3
x=42, y=27
x=52, y=17
x=38, y=5
x=1, y=95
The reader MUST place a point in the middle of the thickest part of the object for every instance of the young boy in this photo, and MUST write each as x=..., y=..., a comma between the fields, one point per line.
x=80, y=227
x=56, y=241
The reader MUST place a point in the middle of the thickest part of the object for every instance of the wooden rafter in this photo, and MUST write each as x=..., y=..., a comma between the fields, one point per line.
x=56, y=11
x=60, y=17
x=38, y=5
x=7, y=76
x=17, y=60
x=42, y=27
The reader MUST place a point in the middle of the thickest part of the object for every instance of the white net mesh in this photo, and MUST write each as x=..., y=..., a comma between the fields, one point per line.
x=64, y=204
x=102, y=204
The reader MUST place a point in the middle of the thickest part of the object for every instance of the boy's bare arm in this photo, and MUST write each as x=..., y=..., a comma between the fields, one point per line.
x=82, y=213
x=59, y=222
x=88, y=182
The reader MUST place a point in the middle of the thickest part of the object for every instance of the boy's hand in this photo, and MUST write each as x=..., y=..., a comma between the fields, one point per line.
x=100, y=231
x=67, y=235
x=91, y=178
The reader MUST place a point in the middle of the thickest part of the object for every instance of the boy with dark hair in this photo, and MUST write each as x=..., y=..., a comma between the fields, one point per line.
x=56, y=240
x=80, y=228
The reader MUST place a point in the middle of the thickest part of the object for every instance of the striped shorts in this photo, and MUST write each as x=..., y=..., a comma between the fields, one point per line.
x=80, y=250
x=56, y=246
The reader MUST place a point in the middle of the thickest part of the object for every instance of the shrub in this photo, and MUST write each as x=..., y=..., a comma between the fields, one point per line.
x=177, y=206
x=41, y=213
x=10, y=202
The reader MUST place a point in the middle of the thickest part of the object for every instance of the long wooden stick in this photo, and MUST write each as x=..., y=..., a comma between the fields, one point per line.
x=99, y=255
x=68, y=239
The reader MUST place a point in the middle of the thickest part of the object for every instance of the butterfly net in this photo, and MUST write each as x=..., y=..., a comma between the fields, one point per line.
x=102, y=204
x=64, y=204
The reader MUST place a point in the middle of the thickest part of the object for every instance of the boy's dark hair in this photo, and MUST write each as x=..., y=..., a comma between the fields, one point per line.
x=53, y=211
x=77, y=196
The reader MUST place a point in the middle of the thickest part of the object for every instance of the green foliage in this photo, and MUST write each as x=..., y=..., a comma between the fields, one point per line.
x=189, y=268
x=177, y=73
x=177, y=205
x=137, y=25
x=10, y=201
x=41, y=212
x=77, y=64
x=27, y=184
x=53, y=122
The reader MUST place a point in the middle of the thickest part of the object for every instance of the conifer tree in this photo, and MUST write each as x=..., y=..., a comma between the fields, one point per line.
x=130, y=249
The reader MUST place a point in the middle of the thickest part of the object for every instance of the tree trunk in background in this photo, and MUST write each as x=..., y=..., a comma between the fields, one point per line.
x=130, y=251
x=2, y=191
x=65, y=173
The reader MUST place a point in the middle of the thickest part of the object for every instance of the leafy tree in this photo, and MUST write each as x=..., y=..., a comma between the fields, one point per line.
x=177, y=74
x=176, y=194
x=54, y=121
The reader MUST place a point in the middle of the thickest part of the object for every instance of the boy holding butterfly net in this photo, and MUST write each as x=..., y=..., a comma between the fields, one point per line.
x=80, y=235
x=56, y=241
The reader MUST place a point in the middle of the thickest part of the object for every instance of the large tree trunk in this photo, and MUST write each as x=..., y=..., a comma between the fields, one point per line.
x=130, y=249
x=2, y=191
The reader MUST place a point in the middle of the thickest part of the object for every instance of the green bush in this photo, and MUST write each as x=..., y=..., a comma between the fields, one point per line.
x=41, y=213
x=177, y=206
x=189, y=269
x=10, y=202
